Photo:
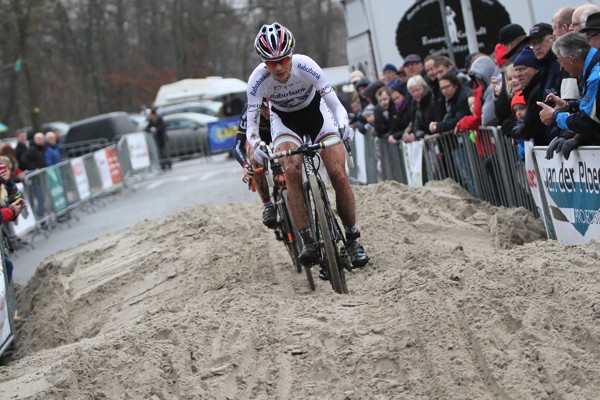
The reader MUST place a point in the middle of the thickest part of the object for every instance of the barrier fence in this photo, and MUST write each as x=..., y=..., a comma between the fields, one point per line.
x=53, y=193
x=486, y=164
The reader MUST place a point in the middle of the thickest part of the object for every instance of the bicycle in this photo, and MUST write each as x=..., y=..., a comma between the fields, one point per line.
x=333, y=257
x=285, y=228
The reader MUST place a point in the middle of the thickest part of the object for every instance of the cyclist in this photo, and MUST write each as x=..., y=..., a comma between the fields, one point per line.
x=302, y=102
x=253, y=170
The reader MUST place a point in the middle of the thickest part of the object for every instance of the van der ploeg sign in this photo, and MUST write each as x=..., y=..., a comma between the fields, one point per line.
x=421, y=30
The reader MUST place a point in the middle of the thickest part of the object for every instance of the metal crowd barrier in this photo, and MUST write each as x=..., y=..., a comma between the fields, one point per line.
x=129, y=166
x=485, y=163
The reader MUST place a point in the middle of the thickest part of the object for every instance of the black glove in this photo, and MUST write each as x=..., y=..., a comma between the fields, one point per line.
x=555, y=146
x=568, y=146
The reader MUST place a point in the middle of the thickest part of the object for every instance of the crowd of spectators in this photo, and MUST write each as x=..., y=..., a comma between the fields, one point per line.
x=521, y=88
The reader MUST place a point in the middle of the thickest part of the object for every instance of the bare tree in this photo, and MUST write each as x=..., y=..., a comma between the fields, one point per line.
x=83, y=57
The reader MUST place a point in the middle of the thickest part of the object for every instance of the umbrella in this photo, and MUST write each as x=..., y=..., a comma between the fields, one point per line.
x=3, y=128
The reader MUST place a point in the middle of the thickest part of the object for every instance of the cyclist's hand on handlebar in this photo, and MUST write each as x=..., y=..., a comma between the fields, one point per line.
x=347, y=132
x=262, y=153
x=248, y=173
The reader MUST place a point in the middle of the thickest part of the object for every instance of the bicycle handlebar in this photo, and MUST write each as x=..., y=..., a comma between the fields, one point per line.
x=307, y=148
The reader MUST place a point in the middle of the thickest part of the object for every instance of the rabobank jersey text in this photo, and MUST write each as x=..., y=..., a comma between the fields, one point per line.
x=296, y=93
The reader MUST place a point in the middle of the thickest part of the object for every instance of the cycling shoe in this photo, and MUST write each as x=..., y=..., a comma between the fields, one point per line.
x=269, y=216
x=309, y=254
x=358, y=257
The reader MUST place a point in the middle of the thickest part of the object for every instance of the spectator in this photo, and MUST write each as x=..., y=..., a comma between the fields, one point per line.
x=527, y=70
x=579, y=17
x=413, y=65
x=500, y=53
x=432, y=81
x=514, y=38
x=18, y=175
x=35, y=159
x=156, y=127
x=511, y=87
x=11, y=205
x=421, y=109
x=356, y=76
x=52, y=152
x=542, y=39
x=390, y=76
x=592, y=30
x=457, y=103
x=401, y=118
x=384, y=111
x=369, y=116
x=481, y=72
x=370, y=92
x=581, y=127
x=562, y=20
x=22, y=144
x=402, y=75
x=360, y=87
x=519, y=108
x=443, y=65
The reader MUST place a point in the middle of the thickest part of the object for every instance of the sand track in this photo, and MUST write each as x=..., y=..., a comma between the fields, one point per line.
x=461, y=300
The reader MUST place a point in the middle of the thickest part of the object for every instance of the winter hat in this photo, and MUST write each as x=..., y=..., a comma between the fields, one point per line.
x=369, y=110
x=362, y=82
x=527, y=58
x=510, y=32
x=390, y=67
x=518, y=98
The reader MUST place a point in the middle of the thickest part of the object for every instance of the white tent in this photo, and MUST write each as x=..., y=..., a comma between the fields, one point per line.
x=210, y=88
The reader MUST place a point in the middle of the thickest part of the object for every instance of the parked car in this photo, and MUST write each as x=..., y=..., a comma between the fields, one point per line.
x=208, y=107
x=187, y=133
x=48, y=126
x=96, y=132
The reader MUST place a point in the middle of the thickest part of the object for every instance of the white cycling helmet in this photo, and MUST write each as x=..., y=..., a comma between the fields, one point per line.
x=274, y=42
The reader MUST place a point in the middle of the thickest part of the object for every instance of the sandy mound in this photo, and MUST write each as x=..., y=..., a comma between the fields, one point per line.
x=204, y=305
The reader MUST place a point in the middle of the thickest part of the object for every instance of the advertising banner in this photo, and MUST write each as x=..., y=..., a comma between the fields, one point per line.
x=138, y=151
x=413, y=162
x=221, y=134
x=81, y=180
x=57, y=192
x=103, y=169
x=114, y=166
x=570, y=194
x=6, y=334
x=26, y=220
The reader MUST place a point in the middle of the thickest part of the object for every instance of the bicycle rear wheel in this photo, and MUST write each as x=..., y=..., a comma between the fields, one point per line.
x=330, y=253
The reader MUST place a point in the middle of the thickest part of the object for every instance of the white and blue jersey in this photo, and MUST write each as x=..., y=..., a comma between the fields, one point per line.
x=305, y=104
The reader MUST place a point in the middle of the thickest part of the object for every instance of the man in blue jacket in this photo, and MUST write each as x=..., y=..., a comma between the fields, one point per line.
x=582, y=127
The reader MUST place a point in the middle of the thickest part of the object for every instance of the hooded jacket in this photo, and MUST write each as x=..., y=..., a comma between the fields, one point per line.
x=484, y=68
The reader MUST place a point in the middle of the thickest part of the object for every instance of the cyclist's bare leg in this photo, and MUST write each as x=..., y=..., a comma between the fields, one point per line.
x=335, y=163
x=292, y=167
x=335, y=160
x=262, y=187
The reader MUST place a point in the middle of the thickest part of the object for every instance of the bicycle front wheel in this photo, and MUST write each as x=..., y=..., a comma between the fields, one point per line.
x=330, y=258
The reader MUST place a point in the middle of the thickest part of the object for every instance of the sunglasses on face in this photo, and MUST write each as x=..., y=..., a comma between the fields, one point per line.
x=272, y=64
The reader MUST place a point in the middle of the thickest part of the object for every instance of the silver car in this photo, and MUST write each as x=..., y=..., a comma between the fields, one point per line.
x=187, y=133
